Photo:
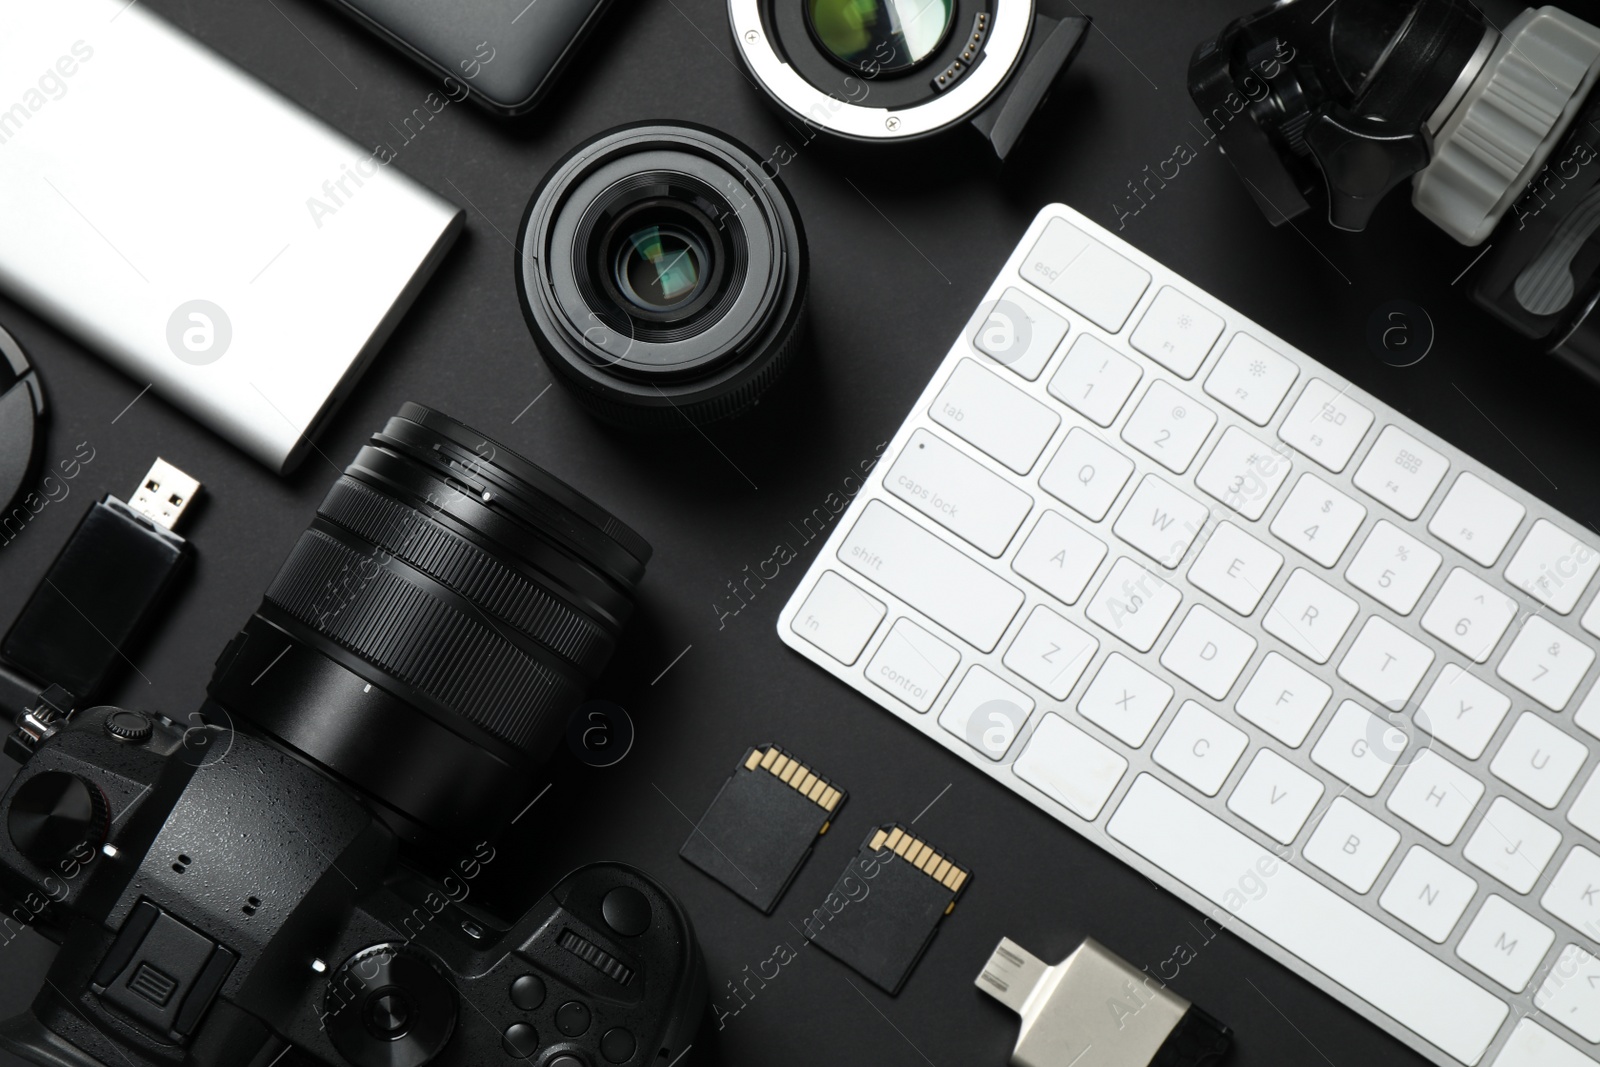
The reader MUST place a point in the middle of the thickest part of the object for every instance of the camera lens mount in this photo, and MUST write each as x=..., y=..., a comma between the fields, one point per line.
x=663, y=274
x=897, y=70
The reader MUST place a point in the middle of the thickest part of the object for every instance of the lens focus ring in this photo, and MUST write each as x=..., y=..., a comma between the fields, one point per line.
x=408, y=535
x=414, y=635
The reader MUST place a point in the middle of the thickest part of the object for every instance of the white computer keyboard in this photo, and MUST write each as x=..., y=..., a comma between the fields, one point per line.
x=1252, y=631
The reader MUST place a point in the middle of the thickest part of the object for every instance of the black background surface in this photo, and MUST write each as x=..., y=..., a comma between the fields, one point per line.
x=904, y=242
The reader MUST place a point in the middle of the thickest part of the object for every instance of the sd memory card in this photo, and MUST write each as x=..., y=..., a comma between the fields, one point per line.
x=757, y=833
x=886, y=907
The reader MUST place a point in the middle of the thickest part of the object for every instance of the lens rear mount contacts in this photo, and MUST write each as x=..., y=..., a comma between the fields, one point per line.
x=663, y=275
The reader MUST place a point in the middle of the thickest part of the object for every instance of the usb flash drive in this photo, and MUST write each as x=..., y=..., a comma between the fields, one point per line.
x=103, y=587
x=1095, y=1010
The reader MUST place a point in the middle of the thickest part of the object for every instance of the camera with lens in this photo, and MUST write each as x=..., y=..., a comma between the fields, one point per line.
x=1495, y=130
x=286, y=876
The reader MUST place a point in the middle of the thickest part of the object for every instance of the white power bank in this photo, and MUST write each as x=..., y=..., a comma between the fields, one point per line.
x=198, y=230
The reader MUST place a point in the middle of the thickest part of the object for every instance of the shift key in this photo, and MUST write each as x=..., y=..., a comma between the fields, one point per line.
x=958, y=493
x=942, y=582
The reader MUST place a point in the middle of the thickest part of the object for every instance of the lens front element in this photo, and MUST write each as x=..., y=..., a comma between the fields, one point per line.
x=885, y=36
x=661, y=268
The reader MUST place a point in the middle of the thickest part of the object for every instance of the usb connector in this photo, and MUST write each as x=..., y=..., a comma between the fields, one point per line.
x=165, y=494
x=1093, y=1009
x=101, y=592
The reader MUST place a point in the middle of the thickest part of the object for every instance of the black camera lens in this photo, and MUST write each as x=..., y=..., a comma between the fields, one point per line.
x=662, y=272
x=885, y=36
x=435, y=626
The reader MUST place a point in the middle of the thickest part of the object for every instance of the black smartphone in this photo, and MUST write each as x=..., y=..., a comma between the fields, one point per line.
x=505, y=54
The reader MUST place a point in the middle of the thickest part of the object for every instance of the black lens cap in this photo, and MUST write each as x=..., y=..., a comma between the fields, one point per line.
x=21, y=419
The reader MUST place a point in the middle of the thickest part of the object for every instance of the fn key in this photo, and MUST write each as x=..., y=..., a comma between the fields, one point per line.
x=838, y=618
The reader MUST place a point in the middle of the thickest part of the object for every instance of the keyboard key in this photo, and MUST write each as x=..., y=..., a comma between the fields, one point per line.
x=838, y=618
x=1019, y=333
x=1326, y=425
x=1469, y=615
x=1059, y=557
x=1401, y=471
x=1591, y=618
x=1275, y=796
x=1587, y=717
x=1435, y=796
x=1462, y=711
x=1085, y=275
x=1134, y=604
x=1086, y=474
x=1283, y=699
x=913, y=664
x=1393, y=567
x=1386, y=663
x=1318, y=520
x=1351, y=845
x=1168, y=426
x=1476, y=519
x=1208, y=652
x=1095, y=380
x=1359, y=748
x=1531, y=1045
x=958, y=493
x=1050, y=652
x=936, y=579
x=1552, y=566
x=1572, y=895
x=1160, y=521
x=1538, y=759
x=1427, y=894
x=1545, y=663
x=1310, y=921
x=999, y=420
x=1235, y=568
x=1570, y=993
x=1243, y=473
x=1512, y=845
x=1310, y=616
x=1200, y=748
x=1177, y=332
x=1251, y=378
x=1070, y=767
x=1585, y=810
x=986, y=712
x=1505, y=943
x=1125, y=700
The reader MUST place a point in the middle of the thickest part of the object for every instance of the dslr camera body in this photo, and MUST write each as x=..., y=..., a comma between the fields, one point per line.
x=299, y=890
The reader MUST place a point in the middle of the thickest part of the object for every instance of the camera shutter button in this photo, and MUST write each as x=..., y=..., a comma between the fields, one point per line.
x=626, y=911
x=130, y=726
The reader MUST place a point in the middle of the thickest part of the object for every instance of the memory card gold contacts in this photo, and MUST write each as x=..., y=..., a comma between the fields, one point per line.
x=763, y=823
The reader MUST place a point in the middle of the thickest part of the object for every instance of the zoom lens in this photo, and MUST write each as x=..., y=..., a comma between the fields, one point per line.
x=663, y=275
x=886, y=36
x=433, y=628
